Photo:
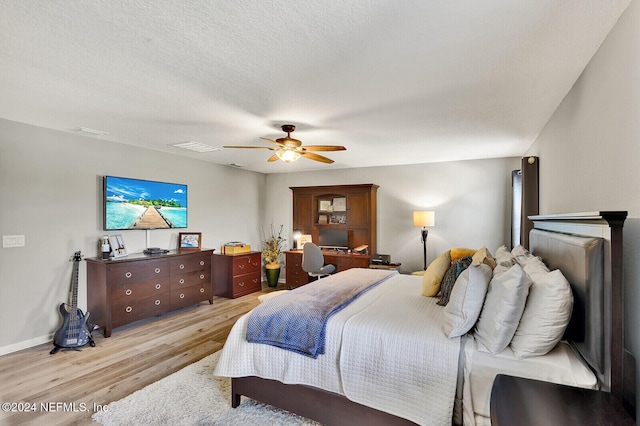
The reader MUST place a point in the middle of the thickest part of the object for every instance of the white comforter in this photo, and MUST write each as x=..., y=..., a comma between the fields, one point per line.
x=385, y=350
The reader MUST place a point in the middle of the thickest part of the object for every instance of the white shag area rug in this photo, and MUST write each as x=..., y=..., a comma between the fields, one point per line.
x=193, y=396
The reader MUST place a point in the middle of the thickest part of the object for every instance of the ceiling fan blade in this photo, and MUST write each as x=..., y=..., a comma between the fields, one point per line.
x=324, y=148
x=274, y=142
x=316, y=157
x=250, y=147
x=273, y=158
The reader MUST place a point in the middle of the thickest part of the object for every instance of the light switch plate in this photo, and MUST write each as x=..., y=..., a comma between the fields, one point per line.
x=9, y=241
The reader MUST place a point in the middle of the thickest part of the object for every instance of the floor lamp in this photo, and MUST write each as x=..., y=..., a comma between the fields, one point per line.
x=424, y=219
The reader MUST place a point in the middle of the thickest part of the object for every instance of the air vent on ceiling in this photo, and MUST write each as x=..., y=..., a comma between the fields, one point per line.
x=196, y=146
x=91, y=132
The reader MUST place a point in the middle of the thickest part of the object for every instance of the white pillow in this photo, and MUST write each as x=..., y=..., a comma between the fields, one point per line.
x=466, y=300
x=504, y=261
x=546, y=315
x=503, y=308
x=521, y=254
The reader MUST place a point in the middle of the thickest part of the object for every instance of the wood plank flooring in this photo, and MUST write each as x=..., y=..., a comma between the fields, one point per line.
x=67, y=387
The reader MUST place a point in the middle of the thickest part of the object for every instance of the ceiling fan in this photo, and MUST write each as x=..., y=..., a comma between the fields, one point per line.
x=289, y=149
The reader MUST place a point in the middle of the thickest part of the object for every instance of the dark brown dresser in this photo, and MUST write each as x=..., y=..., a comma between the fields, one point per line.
x=237, y=275
x=138, y=286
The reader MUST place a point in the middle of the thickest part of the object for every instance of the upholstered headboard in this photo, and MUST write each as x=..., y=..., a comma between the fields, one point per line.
x=581, y=261
x=587, y=248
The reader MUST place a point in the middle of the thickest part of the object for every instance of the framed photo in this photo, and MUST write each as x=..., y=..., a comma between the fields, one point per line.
x=189, y=240
x=324, y=206
x=340, y=204
x=117, y=245
x=306, y=238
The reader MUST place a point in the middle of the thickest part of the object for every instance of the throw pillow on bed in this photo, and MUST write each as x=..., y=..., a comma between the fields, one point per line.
x=522, y=255
x=504, y=261
x=502, y=310
x=460, y=252
x=434, y=274
x=467, y=298
x=546, y=314
x=483, y=256
x=450, y=278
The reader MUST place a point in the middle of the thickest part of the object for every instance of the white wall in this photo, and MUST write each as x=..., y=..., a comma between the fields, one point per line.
x=590, y=150
x=471, y=200
x=51, y=192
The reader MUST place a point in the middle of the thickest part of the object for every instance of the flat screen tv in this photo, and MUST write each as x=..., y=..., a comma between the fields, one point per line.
x=143, y=204
x=333, y=238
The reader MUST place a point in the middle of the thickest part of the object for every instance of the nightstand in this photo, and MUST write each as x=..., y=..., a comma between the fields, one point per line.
x=515, y=400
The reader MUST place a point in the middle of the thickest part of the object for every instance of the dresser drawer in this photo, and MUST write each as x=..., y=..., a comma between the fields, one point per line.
x=296, y=281
x=123, y=313
x=124, y=292
x=294, y=260
x=247, y=283
x=191, y=295
x=246, y=264
x=190, y=263
x=344, y=263
x=191, y=278
x=131, y=272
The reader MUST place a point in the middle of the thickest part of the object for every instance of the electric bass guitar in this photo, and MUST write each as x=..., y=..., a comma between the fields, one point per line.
x=74, y=331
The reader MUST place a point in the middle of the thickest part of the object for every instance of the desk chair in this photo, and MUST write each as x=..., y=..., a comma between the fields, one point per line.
x=313, y=262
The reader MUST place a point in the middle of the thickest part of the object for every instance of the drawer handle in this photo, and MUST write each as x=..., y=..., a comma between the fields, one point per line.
x=158, y=286
x=157, y=270
x=241, y=284
x=128, y=274
x=202, y=263
x=255, y=280
x=202, y=290
x=157, y=302
x=255, y=263
x=202, y=276
x=182, y=266
x=128, y=309
x=181, y=280
x=241, y=266
x=128, y=292
x=181, y=295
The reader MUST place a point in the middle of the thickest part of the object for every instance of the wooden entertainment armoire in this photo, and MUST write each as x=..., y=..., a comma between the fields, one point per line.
x=357, y=214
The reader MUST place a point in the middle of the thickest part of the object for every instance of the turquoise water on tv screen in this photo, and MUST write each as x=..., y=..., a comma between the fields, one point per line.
x=124, y=215
x=177, y=216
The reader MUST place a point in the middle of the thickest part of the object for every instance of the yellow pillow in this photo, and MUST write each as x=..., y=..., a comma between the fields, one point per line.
x=483, y=256
x=433, y=275
x=458, y=253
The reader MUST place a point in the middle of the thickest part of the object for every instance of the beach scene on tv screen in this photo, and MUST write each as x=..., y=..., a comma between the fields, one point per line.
x=142, y=204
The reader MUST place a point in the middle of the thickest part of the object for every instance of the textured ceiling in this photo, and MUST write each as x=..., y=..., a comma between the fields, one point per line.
x=395, y=82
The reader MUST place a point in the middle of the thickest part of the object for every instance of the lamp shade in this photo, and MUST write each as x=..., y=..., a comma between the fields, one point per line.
x=287, y=155
x=424, y=218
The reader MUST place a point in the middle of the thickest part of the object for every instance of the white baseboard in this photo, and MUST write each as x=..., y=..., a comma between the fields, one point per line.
x=26, y=344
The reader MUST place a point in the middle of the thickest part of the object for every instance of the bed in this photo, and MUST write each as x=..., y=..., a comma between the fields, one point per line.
x=389, y=360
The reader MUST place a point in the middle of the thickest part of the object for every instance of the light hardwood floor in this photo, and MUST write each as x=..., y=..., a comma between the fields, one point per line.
x=133, y=357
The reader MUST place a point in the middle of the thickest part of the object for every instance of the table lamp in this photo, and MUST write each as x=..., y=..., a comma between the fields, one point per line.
x=424, y=219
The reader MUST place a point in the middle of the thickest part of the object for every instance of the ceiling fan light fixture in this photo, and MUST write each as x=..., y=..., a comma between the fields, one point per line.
x=287, y=155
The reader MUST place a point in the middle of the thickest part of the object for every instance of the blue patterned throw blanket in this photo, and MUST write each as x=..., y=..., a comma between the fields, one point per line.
x=297, y=320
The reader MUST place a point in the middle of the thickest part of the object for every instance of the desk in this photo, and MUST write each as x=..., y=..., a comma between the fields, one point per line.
x=296, y=277
x=515, y=400
x=388, y=266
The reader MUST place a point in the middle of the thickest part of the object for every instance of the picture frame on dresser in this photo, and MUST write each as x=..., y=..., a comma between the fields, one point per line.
x=118, y=249
x=189, y=241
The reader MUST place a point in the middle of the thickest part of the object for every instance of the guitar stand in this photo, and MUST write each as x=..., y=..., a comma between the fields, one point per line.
x=56, y=348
